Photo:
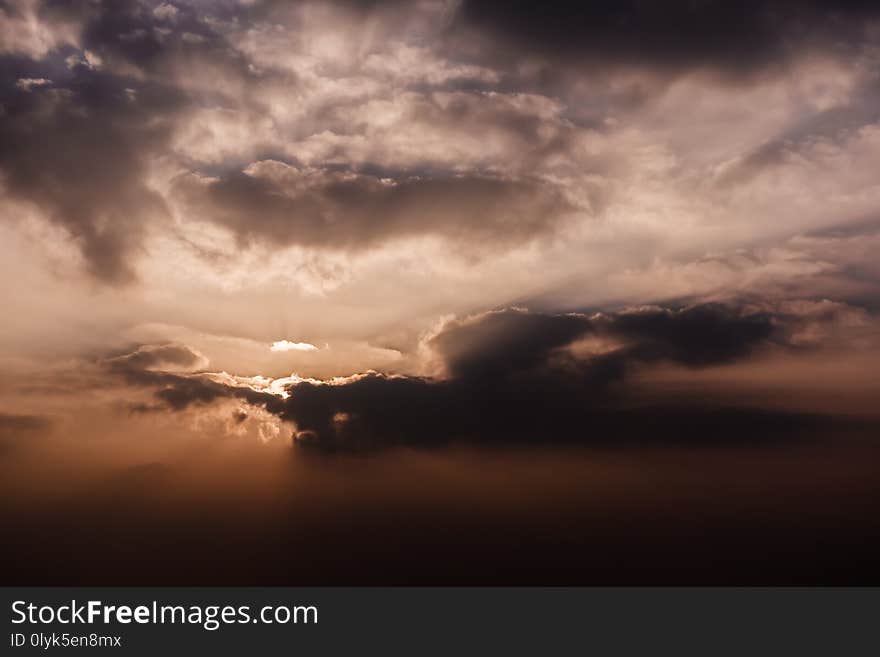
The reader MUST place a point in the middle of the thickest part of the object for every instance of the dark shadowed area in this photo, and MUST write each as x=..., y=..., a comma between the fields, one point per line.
x=775, y=513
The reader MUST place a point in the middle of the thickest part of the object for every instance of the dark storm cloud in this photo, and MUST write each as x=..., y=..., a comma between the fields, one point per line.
x=731, y=37
x=700, y=335
x=78, y=149
x=514, y=376
x=346, y=212
x=497, y=343
x=78, y=143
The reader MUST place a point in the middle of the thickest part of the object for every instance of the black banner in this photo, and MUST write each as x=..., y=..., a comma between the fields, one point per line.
x=411, y=621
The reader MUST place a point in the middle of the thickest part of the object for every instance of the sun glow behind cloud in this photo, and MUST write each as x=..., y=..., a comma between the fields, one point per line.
x=286, y=345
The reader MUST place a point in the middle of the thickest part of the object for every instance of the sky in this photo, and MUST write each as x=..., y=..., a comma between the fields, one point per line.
x=431, y=235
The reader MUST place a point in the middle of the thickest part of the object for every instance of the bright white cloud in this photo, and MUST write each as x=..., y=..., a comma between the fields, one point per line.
x=287, y=345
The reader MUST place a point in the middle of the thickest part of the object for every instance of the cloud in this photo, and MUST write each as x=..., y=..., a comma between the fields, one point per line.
x=287, y=345
x=33, y=29
x=377, y=166
x=513, y=375
x=734, y=39
x=279, y=204
x=150, y=362
x=192, y=108
x=330, y=357
x=26, y=84
x=82, y=148
x=166, y=12
x=16, y=427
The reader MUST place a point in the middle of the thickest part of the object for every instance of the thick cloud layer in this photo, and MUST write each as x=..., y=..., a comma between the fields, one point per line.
x=281, y=205
x=511, y=376
x=733, y=38
x=514, y=376
x=115, y=127
x=520, y=145
x=349, y=173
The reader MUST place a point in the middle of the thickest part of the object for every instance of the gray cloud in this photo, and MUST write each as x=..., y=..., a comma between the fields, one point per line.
x=733, y=39
x=148, y=358
x=79, y=149
x=341, y=211
x=514, y=376
x=342, y=127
